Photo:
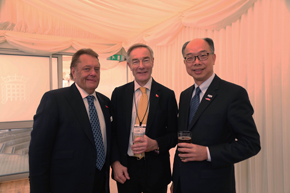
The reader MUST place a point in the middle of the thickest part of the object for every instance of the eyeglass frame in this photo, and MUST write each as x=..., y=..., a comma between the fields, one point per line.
x=198, y=56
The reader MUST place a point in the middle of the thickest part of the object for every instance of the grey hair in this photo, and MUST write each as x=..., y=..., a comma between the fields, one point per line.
x=138, y=45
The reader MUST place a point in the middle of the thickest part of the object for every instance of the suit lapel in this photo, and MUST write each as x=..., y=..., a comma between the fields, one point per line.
x=207, y=99
x=105, y=109
x=107, y=116
x=128, y=102
x=79, y=109
x=154, y=100
x=187, y=99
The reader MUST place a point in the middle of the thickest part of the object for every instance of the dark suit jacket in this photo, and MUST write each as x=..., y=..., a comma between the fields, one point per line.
x=62, y=152
x=224, y=115
x=161, y=126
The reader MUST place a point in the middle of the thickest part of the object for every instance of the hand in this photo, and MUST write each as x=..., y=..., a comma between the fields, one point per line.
x=171, y=188
x=144, y=144
x=192, y=152
x=120, y=172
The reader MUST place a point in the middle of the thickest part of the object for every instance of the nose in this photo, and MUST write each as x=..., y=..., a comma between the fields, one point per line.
x=93, y=72
x=141, y=65
x=197, y=61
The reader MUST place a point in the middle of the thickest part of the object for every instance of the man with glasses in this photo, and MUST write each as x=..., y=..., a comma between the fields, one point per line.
x=142, y=164
x=219, y=116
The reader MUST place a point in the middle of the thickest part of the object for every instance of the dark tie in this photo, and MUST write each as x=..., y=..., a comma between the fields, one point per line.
x=98, y=138
x=194, y=105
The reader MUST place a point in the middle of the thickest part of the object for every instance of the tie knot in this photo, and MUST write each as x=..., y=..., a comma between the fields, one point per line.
x=143, y=90
x=197, y=91
x=90, y=98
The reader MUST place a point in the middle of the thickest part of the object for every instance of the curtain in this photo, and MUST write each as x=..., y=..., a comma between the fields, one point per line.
x=254, y=52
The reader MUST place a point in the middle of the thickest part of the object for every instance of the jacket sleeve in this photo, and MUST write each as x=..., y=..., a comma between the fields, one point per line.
x=169, y=140
x=242, y=126
x=42, y=139
x=115, y=152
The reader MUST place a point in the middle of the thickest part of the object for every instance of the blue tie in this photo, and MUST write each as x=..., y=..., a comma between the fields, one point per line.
x=194, y=105
x=98, y=138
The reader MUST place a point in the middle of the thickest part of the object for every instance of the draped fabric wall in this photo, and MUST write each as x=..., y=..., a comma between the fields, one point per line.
x=253, y=52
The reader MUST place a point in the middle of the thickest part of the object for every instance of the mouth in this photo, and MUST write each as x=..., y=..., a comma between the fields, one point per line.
x=198, y=71
x=91, y=80
x=141, y=72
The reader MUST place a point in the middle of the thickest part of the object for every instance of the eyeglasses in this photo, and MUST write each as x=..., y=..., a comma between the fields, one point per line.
x=144, y=61
x=201, y=57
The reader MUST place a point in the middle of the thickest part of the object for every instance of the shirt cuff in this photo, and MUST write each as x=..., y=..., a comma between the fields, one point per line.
x=208, y=155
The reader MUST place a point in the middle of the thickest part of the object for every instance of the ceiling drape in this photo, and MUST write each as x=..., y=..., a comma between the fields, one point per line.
x=108, y=25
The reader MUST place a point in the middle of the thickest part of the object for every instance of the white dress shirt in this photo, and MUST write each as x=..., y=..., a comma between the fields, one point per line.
x=84, y=94
x=203, y=88
x=137, y=96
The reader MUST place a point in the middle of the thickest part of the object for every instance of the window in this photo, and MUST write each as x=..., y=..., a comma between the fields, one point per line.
x=23, y=81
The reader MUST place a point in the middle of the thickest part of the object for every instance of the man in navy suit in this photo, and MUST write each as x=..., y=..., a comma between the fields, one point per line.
x=62, y=153
x=150, y=174
x=222, y=128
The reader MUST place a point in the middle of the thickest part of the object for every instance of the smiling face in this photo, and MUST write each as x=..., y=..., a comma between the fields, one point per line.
x=141, y=64
x=86, y=74
x=199, y=70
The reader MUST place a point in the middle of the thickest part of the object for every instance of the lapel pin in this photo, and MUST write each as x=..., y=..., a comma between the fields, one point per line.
x=107, y=107
x=207, y=99
x=157, y=95
x=209, y=95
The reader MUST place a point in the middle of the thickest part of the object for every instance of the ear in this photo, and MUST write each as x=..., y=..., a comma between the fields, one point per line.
x=213, y=58
x=73, y=71
x=152, y=62
x=129, y=66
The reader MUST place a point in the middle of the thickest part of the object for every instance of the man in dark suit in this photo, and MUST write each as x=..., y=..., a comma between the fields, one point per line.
x=222, y=128
x=70, y=141
x=150, y=174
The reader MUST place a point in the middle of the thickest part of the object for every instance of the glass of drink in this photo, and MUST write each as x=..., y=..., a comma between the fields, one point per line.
x=139, y=132
x=184, y=137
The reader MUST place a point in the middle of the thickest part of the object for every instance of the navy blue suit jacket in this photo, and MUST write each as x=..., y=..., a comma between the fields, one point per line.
x=62, y=152
x=161, y=126
x=224, y=123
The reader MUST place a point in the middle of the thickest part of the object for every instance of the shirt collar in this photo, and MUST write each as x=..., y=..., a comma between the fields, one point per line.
x=204, y=86
x=84, y=94
x=147, y=85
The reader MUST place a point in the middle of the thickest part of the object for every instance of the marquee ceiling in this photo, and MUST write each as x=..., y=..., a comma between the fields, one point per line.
x=109, y=25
